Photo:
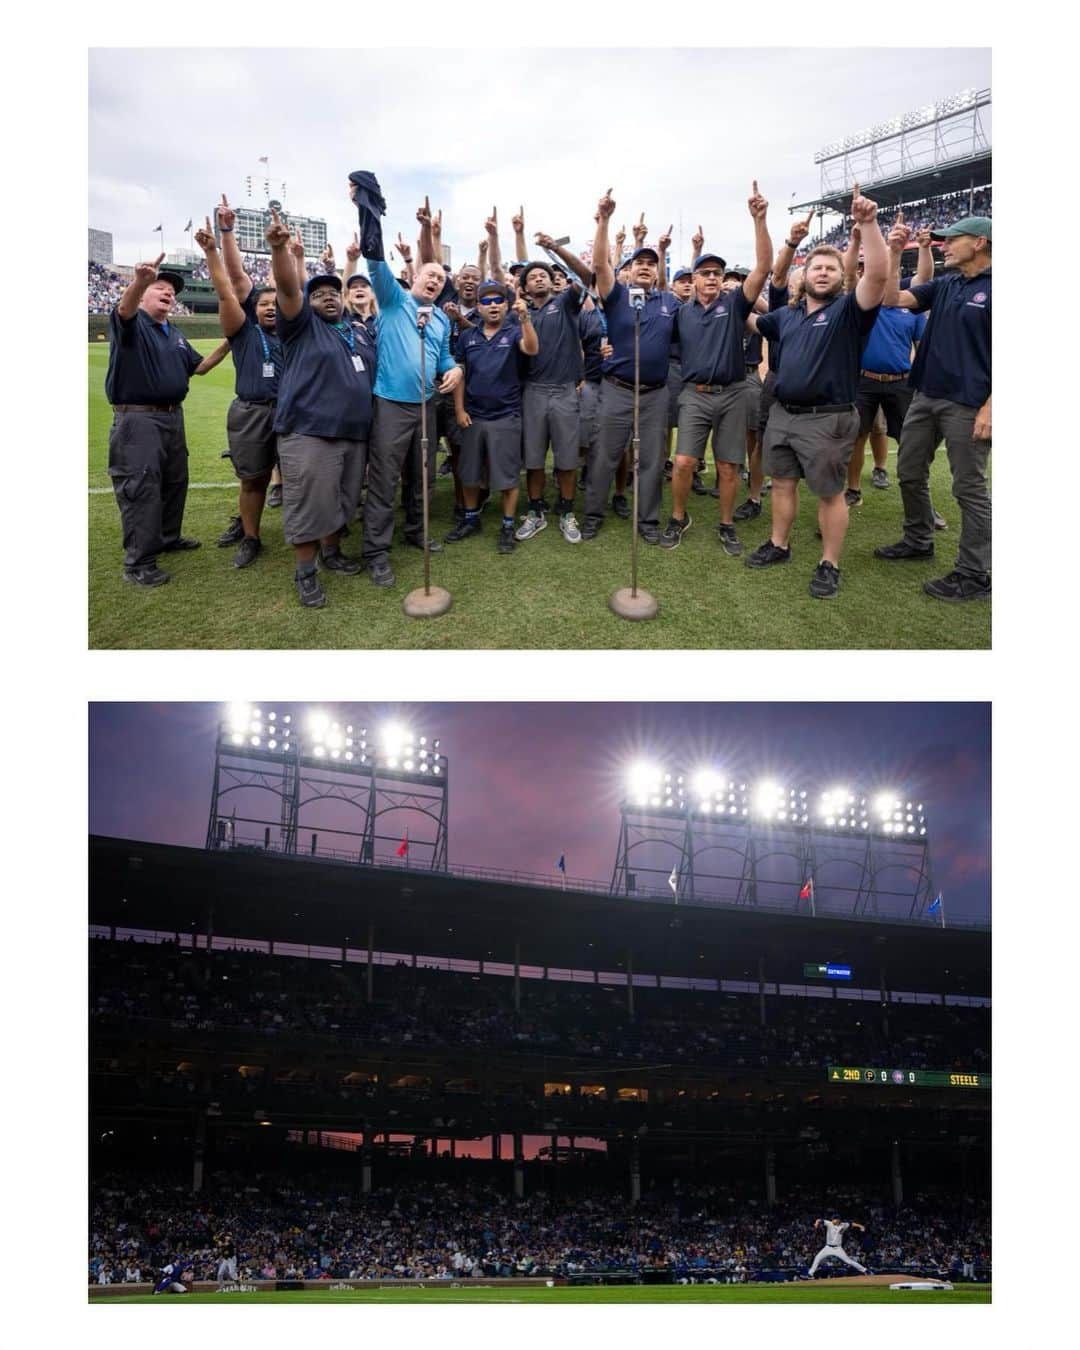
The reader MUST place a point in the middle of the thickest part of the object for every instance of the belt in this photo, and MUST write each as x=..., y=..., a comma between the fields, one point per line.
x=624, y=384
x=146, y=407
x=709, y=388
x=883, y=379
x=797, y=408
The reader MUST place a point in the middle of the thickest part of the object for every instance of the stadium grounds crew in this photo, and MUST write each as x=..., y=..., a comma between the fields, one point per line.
x=753, y=357
x=617, y=389
x=461, y=311
x=834, y=1239
x=489, y=407
x=323, y=418
x=249, y=326
x=952, y=401
x=710, y=330
x=593, y=334
x=150, y=369
x=813, y=423
x=406, y=317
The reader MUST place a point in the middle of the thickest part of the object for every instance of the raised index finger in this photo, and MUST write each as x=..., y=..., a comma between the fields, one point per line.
x=224, y=200
x=277, y=218
x=855, y=191
x=755, y=187
x=427, y=205
x=159, y=259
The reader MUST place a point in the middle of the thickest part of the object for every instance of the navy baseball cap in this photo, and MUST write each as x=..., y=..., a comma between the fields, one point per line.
x=682, y=272
x=528, y=267
x=491, y=287
x=516, y=266
x=642, y=251
x=358, y=277
x=175, y=280
x=325, y=279
x=709, y=257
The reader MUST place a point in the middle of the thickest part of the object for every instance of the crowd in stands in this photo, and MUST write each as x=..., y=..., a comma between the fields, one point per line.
x=283, y=996
x=105, y=287
x=257, y=266
x=324, y=1228
x=932, y=213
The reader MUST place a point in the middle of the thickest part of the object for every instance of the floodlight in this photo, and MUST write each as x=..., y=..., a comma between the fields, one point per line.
x=318, y=723
x=319, y=751
x=287, y=718
x=765, y=797
x=409, y=765
x=272, y=717
x=706, y=782
x=238, y=715
x=272, y=744
x=333, y=739
x=254, y=740
x=237, y=739
x=642, y=779
x=437, y=769
x=348, y=754
x=392, y=739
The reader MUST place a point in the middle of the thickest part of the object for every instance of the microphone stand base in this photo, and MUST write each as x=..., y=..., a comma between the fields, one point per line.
x=421, y=604
x=626, y=605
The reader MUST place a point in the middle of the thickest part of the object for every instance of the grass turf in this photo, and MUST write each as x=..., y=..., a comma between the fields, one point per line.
x=548, y=594
x=798, y=1294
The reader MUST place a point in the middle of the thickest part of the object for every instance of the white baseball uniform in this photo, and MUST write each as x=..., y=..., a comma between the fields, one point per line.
x=834, y=1237
x=227, y=1269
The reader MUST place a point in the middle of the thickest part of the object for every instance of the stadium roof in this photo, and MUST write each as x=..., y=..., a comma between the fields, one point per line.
x=936, y=181
x=244, y=894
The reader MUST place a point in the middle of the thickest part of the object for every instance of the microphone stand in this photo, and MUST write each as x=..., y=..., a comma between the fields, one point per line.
x=630, y=602
x=426, y=602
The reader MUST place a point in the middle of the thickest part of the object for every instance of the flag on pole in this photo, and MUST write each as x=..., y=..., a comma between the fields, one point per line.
x=935, y=905
x=156, y=229
x=807, y=892
x=561, y=864
x=403, y=847
x=673, y=882
x=188, y=225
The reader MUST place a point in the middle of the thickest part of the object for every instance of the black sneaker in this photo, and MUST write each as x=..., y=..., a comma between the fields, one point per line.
x=464, y=529
x=879, y=478
x=767, y=554
x=672, y=536
x=233, y=534
x=825, y=582
x=181, y=545
x=649, y=533
x=273, y=497
x=853, y=497
x=445, y=469
x=148, y=575
x=904, y=552
x=729, y=540
x=308, y=589
x=340, y=562
x=714, y=492
x=545, y=506
x=381, y=573
x=433, y=544
x=248, y=551
x=590, y=527
x=958, y=586
x=506, y=541
x=748, y=511
x=697, y=487
x=459, y=514
x=620, y=506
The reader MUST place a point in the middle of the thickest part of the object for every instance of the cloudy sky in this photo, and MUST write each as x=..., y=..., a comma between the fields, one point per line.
x=676, y=133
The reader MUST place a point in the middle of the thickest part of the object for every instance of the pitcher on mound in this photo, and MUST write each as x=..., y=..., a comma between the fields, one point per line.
x=834, y=1238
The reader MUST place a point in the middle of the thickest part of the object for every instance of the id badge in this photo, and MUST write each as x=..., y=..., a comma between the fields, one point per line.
x=358, y=363
x=268, y=370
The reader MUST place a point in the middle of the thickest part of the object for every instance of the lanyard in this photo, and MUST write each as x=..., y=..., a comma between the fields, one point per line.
x=265, y=344
x=345, y=332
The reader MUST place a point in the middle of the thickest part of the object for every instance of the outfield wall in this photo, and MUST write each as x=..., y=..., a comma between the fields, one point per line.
x=193, y=325
x=105, y=1291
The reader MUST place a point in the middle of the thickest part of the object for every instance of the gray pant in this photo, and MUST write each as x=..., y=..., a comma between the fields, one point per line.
x=395, y=448
x=928, y=421
x=148, y=465
x=616, y=431
x=550, y=413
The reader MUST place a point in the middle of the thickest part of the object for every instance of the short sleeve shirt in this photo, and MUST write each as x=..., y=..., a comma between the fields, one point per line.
x=494, y=369
x=711, y=338
x=148, y=362
x=325, y=388
x=254, y=352
x=821, y=351
x=559, y=360
x=953, y=360
x=657, y=330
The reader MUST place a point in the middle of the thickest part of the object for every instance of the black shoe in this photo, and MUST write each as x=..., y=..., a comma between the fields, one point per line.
x=583, y=478
x=672, y=536
x=879, y=478
x=506, y=543
x=381, y=573
x=433, y=544
x=148, y=575
x=445, y=469
x=767, y=554
x=248, y=551
x=181, y=545
x=697, y=487
x=590, y=527
x=464, y=529
x=748, y=511
x=308, y=589
x=649, y=533
x=337, y=561
x=233, y=534
x=729, y=540
x=904, y=552
x=958, y=586
x=273, y=497
x=714, y=492
x=459, y=514
x=620, y=506
x=825, y=582
x=545, y=506
x=668, y=471
x=853, y=497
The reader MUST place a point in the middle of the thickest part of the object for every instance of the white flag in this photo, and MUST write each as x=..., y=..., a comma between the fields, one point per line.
x=673, y=881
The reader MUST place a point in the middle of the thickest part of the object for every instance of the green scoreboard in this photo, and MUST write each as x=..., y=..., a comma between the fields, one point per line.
x=920, y=1078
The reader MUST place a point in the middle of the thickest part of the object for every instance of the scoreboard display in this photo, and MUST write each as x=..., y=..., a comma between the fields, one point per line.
x=924, y=1078
x=825, y=970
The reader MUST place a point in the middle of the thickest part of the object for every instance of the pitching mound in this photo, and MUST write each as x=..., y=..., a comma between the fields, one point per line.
x=862, y=1281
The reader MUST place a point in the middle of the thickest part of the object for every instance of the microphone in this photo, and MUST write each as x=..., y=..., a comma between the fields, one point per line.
x=637, y=297
x=423, y=314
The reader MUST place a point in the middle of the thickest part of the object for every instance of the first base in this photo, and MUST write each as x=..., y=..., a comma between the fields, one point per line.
x=922, y=1284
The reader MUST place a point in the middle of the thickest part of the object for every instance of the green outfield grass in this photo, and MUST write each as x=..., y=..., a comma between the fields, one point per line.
x=801, y=1294
x=546, y=594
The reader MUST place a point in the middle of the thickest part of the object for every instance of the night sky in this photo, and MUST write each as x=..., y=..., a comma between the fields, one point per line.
x=530, y=781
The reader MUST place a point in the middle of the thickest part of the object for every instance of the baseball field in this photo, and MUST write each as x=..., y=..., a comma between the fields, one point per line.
x=547, y=594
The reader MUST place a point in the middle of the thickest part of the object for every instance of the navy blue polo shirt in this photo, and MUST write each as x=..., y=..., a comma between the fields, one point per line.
x=777, y=299
x=751, y=350
x=593, y=331
x=822, y=351
x=367, y=336
x=675, y=351
x=711, y=338
x=559, y=360
x=148, y=362
x=888, y=352
x=252, y=348
x=321, y=393
x=953, y=360
x=657, y=325
x=494, y=369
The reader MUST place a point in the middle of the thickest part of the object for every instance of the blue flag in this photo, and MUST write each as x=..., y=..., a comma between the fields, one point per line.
x=561, y=864
x=933, y=909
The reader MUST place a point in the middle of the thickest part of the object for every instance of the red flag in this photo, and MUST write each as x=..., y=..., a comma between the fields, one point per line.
x=403, y=847
x=807, y=892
